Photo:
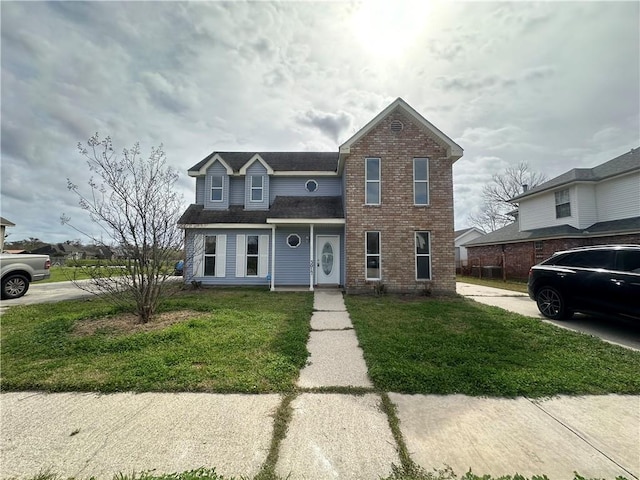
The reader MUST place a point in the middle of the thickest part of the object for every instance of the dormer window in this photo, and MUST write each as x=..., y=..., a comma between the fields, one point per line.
x=217, y=188
x=257, y=187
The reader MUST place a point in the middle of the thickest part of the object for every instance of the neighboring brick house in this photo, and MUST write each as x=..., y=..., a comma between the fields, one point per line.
x=584, y=206
x=377, y=212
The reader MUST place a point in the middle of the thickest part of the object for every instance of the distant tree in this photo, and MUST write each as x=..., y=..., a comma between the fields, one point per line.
x=497, y=211
x=135, y=204
x=27, y=244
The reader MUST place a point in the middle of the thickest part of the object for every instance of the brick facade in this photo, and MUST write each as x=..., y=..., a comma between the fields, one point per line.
x=518, y=258
x=397, y=218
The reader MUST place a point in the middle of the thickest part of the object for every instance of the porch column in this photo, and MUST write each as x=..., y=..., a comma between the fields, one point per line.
x=311, y=264
x=273, y=258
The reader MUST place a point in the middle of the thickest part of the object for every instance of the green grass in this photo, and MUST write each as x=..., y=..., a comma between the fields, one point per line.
x=513, y=285
x=454, y=345
x=241, y=340
x=64, y=274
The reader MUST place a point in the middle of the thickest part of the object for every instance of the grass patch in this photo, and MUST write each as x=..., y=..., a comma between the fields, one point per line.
x=64, y=274
x=513, y=285
x=229, y=340
x=454, y=345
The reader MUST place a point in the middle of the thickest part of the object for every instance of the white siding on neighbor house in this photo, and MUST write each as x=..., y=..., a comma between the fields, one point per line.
x=295, y=186
x=618, y=198
x=540, y=211
x=585, y=205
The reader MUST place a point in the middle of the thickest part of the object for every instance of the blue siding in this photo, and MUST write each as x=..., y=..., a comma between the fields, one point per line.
x=295, y=186
x=256, y=169
x=200, y=190
x=292, y=264
x=236, y=189
x=230, y=264
x=216, y=169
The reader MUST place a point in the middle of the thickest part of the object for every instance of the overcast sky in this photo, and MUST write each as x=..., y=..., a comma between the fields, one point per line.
x=556, y=85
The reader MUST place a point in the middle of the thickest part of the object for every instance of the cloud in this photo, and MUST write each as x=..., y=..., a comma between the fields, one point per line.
x=330, y=124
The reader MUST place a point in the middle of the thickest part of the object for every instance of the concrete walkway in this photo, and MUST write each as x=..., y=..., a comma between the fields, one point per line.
x=332, y=434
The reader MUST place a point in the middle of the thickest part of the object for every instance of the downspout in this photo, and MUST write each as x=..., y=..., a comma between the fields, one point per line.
x=311, y=263
x=273, y=258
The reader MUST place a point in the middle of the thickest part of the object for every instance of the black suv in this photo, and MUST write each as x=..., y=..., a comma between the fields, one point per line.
x=600, y=279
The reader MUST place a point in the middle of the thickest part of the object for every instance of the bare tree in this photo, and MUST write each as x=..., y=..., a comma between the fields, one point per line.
x=497, y=211
x=136, y=206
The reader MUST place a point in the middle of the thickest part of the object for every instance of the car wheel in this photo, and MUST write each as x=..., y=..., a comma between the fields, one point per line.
x=14, y=286
x=552, y=305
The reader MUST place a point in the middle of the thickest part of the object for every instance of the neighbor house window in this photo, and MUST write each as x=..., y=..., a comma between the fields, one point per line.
x=372, y=257
x=421, y=181
x=372, y=181
x=563, y=204
x=256, y=188
x=210, y=255
x=252, y=256
x=423, y=256
x=216, y=188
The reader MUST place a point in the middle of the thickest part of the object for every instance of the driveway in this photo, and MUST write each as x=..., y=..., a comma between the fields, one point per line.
x=613, y=330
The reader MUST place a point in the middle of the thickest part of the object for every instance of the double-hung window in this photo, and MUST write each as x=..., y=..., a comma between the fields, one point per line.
x=423, y=256
x=421, y=181
x=252, y=256
x=210, y=255
x=563, y=204
x=216, y=188
x=372, y=181
x=372, y=256
x=257, y=187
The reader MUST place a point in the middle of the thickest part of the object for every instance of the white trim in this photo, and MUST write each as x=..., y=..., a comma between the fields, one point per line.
x=379, y=181
x=223, y=226
x=241, y=258
x=263, y=256
x=312, y=263
x=198, y=255
x=312, y=221
x=252, y=188
x=252, y=160
x=205, y=167
x=294, y=235
x=221, y=255
x=367, y=255
x=421, y=181
x=273, y=258
x=300, y=173
x=221, y=188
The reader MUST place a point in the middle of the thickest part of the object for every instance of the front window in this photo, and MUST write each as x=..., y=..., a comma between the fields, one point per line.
x=421, y=181
x=372, y=257
x=210, y=255
x=216, y=188
x=423, y=256
x=256, y=188
x=563, y=204
x=252, y=256
x=372, y=181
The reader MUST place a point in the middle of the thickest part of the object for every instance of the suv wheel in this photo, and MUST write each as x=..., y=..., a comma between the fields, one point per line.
x=552, y=305
x=14, y=286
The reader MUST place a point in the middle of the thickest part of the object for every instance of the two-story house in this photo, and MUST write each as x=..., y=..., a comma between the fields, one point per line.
x=379, y=211
x=584, y=206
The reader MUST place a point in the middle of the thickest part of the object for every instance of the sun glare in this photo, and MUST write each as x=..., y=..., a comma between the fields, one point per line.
x=388, y=28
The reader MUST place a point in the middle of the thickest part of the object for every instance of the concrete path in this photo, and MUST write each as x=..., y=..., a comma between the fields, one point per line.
x=331, y=435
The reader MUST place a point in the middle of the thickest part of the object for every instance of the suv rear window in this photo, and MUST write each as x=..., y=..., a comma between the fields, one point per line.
x=587, y=259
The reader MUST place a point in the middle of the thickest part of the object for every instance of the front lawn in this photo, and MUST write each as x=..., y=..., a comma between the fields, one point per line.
x=455, y=345
x=222, y=340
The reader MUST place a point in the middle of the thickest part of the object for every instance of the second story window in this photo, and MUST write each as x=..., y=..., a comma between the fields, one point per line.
x=421, y=181
x=256, y=188
x=216, y=188
x=372, y=181
x=563, y=204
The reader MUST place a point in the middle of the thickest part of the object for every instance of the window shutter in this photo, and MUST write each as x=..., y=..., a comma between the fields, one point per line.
x=241, y=257
x=221, y=256
x=263, y=251
x=198, y=255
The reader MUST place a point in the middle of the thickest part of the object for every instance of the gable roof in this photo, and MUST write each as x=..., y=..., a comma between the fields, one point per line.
x=278, y=161
x=454, y=151
x=625, y=163
x=459, y=233
x=6, y=223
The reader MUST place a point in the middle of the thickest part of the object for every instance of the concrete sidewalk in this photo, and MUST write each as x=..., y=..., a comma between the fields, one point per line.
x=330, y=435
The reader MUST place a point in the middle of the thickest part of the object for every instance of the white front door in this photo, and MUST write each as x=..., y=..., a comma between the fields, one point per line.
x=328, y=260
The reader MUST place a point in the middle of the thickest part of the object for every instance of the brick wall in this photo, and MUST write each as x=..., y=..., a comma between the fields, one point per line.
x=396, y=218
x=520, y=257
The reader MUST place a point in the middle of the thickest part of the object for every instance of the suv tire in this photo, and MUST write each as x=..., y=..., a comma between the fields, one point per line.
x=14, y=286
x=552, y=304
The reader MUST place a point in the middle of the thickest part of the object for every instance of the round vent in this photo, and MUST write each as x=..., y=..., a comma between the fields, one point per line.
x=396, y=126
